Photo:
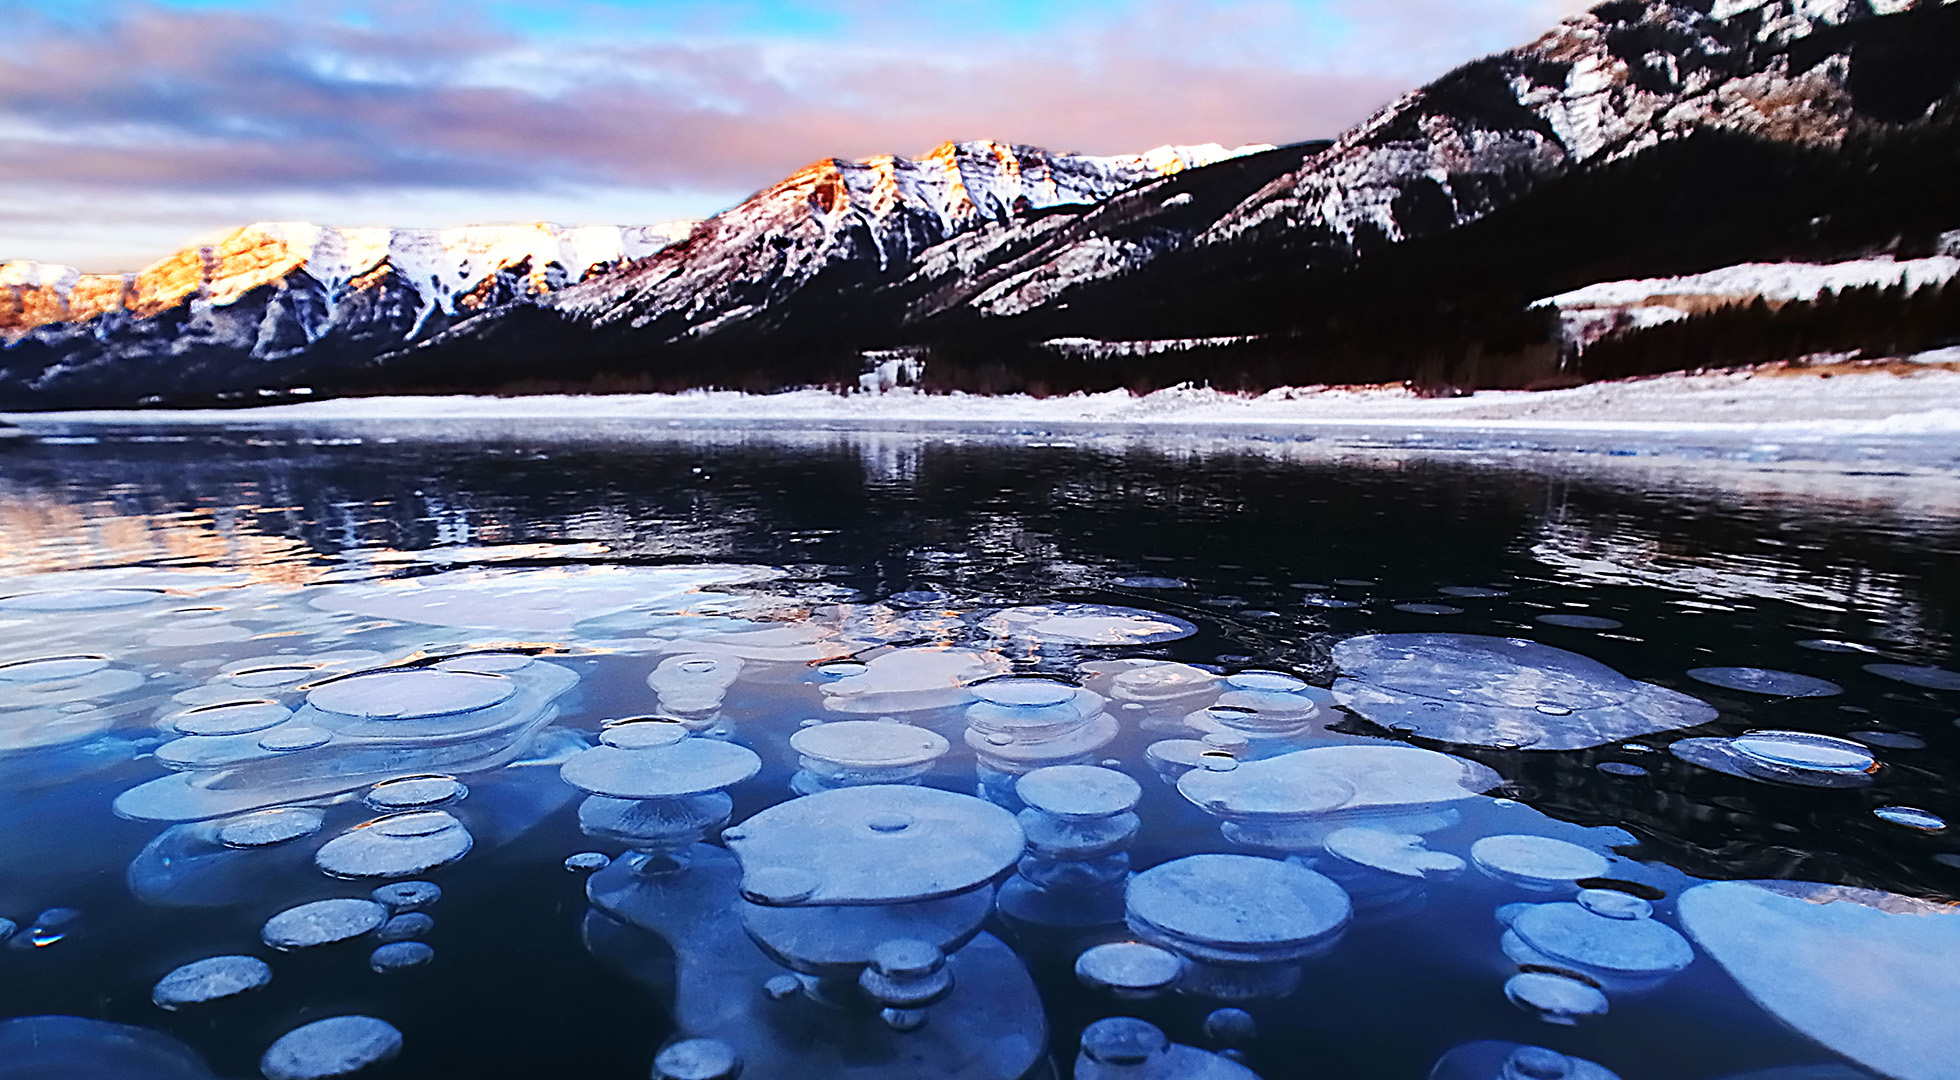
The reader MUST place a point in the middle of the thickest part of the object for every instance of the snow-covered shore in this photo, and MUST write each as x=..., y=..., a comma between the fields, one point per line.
x=1894, y=399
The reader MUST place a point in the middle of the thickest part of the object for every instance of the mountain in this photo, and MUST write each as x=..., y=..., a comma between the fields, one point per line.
x=1642, y=139
x=276, y=302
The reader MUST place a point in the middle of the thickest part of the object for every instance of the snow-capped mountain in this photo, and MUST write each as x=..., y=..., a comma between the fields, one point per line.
x=1605, y=85
x=838, y=228
x=288, y=294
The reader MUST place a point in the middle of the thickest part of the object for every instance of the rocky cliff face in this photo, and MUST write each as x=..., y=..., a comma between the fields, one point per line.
x=1622, y=78
x=267, y=302
x=838, y=230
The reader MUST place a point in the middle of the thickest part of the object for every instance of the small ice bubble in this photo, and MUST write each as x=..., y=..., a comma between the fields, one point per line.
x=1429, y=609
x=411, y=693
x=1890, y=740
x=1555, y=999
x=1128, y=967
x=1911, y=818
x=336, y=1046
x=230, y=718
x=210, y=980
x=405, y=927
x=1621, y=768
x=288, y=738
x=407, y=895
x=1230, y=1027
x=399, y=956
x=411, y=792
x=697, y=1059
x=1579, y=622
x=1928, y=678
x=643, y=733
x=587, y=861
x=7, y=928
x=1471, y=592
x=1148, y=582
x=322, y=923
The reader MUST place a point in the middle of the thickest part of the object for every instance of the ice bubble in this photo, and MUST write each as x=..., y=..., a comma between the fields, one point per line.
x=1493, y=1060
x=1339, y=785
x=1791, y=757
x=50, y=927
x=1622, y=946
x=1472, y=592
x=51, y=668
x=210, y=980
x=230, y=718
x=1867, y=974
x=290, y=738
x=264, y=828
x=395, y=846
x=586, y=862
x=407, y=693
x=542, y=600
x=1277, y=682
x=1536, y=862
x=1355, y=583
x=61, y=1047
x=690, y=767
x=7, y=928
x=1911, y=817
x=407, y=895
x=1492, y=691
x=911, y=680
x=270, y=677
x=43, y=683
x=1236, y=908
x=1930, y=678
x=1429, y=609
x=1555, y=999
x=399, y=956
x=336, y=1046
x=1330, y=602
x=1765, y=681
x=1086, y=624
x=1830, y=646
x=1578, y=622
x=643, y=733
x=487, y=663
x=405, y=927
x=867, y=751
x=697, y=1059
x=1130, y=968
x=1230, y=1027
x=1147, y=582
x=79, y=600
x=1620, y=768
x=411, y=792
x=1078, y=792
x=1401, y=854
x=883, y=843
x=322, y=923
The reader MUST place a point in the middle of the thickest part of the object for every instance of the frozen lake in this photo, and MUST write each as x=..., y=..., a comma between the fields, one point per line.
x=519, y=747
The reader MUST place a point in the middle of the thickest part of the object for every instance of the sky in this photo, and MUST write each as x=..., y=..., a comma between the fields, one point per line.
x=129, y=129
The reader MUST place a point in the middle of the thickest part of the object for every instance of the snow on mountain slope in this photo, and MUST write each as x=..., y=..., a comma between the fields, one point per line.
x=447, y=269
x=857, y=222
x=1588, y=314
x=1601, y=85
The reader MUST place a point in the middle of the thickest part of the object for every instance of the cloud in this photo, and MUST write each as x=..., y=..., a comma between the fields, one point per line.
x=342, y=103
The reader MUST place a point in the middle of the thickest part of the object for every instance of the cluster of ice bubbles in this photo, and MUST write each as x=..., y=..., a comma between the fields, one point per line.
x=858, y=909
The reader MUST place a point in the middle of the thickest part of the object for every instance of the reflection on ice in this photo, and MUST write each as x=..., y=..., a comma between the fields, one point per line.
x=1504, y=692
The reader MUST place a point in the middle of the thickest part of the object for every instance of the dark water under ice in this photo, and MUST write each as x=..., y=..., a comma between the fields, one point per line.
x=186, y=568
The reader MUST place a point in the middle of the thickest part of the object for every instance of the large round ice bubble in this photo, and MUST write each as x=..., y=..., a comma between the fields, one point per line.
x=877, y=844
x=410, y=692
x=911, y=680
x=1868, y=974
x=336, y=1046
x=1504, y=692
x=400, y=845
x=1236, y=907
x=1086, y=624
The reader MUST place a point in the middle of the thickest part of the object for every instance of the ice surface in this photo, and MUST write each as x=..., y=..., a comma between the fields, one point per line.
x=210, y=980
x=336, y=1046
x=1504, y=692
x=546, y=600
x=1868, y=974
x=322, y=923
